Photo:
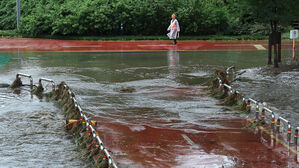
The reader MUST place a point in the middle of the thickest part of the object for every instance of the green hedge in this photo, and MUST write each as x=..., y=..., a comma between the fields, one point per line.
x=140, y=17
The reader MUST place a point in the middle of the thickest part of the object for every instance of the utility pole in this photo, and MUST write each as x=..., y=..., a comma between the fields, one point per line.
x=18, y=13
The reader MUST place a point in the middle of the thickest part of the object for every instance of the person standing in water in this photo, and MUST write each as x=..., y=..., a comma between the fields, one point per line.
x=174, y=29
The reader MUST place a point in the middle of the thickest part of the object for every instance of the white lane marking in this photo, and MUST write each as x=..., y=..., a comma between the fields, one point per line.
x=259, y=47
x=155, y=45
x=10, y=47
x=232, y=45
x=78, y=46
x=190, y=142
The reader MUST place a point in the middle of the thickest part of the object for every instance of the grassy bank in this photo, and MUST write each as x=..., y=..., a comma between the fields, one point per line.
x=14, y=34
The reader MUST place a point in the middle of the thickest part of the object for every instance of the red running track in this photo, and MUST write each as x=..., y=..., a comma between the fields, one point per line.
x=27, y=44
x=166, y=147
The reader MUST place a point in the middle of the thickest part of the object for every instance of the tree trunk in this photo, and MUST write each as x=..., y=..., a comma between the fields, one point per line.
x=279, y=46
x=275, y=55
x=270, y=49
x=275, y=40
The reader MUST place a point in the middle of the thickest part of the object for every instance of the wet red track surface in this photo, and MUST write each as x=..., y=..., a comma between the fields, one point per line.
x=166, y=147
x=26, y=44
x=150, y=145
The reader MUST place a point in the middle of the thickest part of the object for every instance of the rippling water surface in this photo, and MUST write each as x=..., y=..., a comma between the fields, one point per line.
x=169, y=95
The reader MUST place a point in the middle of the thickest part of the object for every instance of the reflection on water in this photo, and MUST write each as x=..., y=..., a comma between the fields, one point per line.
x=3, y=59
x=20, y=58
x=173, y=58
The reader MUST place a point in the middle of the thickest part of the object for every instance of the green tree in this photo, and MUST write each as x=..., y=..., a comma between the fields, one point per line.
x=140, y=17
x=273, y=12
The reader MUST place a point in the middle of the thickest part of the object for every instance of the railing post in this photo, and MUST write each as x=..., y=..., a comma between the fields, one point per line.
x=257, y=111
x=231, y=92
x=296, y=136
x=272, y=120
x=243, y=100
x=39, y=82
x=25, y=75
x=31, y=83
x=277, y=125
x=53, y=86
x=89, y=130
x=289, y=131
x=263, y=114
x=248, y=106
x=48, y=80
x=220, y=82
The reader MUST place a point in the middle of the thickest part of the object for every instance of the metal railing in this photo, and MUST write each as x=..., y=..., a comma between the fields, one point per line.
x=47, y=80
x=101, y=146
x=264, y=112
x=231, y=68
x=86, y=122
x=26, y=75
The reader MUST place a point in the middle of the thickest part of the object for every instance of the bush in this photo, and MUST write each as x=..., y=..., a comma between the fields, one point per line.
x=139, y=17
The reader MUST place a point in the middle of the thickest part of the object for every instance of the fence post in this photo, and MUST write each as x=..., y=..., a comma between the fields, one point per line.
x=296, y=136
x=257, y=111
x=289, y=131
x=248, y=107
x=277, y=125
x=263, y=114
x=31, y=83
x=272, y=120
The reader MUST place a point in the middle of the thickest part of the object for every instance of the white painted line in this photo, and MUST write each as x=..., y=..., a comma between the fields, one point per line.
x=232, y=45
x=190, y=142
x=156, y=45
x=259, y=47
x=13, y=47
x=80, y=46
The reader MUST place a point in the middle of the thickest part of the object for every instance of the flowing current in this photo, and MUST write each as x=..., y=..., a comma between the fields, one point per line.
x=169, y=95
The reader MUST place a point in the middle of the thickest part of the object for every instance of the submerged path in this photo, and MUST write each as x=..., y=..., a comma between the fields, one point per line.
x=206, y=136
x=164, y=123
x=27, y=44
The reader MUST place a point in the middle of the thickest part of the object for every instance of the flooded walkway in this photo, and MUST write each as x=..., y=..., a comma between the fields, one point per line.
x=169, y=121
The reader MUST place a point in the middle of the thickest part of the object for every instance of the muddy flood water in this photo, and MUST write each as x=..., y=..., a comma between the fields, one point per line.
x=169, y=121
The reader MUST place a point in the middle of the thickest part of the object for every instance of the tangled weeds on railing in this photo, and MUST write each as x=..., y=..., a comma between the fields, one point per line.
x=89, y=143
x=221, y=88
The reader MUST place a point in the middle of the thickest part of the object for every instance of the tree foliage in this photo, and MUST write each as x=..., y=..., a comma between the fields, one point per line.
x=139, y=17
x=273, y=12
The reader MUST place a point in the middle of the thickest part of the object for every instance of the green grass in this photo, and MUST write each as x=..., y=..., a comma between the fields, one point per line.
x=13, y=33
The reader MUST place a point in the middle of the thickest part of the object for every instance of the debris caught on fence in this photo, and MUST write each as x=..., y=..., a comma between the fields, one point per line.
x=88, y=142
x=221, y=88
